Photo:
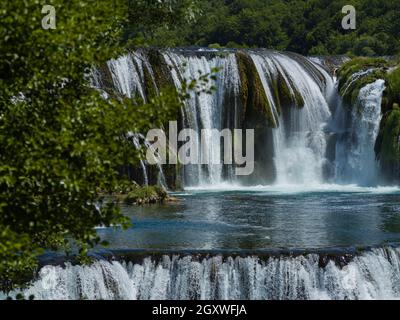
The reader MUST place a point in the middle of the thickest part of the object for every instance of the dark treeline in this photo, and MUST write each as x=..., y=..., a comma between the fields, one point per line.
x=307, y=27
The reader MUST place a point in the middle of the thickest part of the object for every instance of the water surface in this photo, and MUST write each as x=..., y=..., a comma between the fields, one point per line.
x=263, y=218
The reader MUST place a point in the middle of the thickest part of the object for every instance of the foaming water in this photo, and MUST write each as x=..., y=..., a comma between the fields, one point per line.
x=370, y=275
x=296, y=188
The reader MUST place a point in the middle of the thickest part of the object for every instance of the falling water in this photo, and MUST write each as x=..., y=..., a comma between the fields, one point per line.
x=356, y=160
x=371, y=275
x=127, y=73
x=305, y=136
x=299, y=140
x=206, y=111
x=136, y=142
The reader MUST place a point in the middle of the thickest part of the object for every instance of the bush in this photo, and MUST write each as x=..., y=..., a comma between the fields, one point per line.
x=146, y=195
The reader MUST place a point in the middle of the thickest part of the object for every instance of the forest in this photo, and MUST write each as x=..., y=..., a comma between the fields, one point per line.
x=306, y=27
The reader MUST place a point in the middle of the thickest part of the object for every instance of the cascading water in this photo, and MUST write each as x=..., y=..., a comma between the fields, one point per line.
x=356, y=159
x=371, y=275
x=312, y=130
x=136, y=142
x=302, y=138
x=299, y=140
x=206, y=111
x=128, y=76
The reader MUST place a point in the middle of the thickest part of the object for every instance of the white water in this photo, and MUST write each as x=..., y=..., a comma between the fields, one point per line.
x=136, y=143
x=128, y=77
x=301, y=138
x=293, y=189
x=128, y=74
x=372, y=275
x=299, y=142
x=205, y=111
x=356, y=159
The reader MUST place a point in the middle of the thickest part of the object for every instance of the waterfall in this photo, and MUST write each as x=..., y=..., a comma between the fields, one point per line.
x=311, y=138
x=206, y=111
x=356, y=159
x=137, y=144
x=299, y=140
x=370, y=275
x=128, y=76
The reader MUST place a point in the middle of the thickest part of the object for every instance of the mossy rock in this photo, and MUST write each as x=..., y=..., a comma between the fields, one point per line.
x=254, y=99
x=146, y=195
x=357, y=64
x=161, y=71
x=106, y=80
x=286, y=94
x=150, y=85
x=393, y=86
x=387, y=146
x=350, y=89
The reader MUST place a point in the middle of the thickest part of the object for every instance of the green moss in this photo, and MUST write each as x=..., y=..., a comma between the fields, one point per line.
x=358, y=64
x=150, y=85
x=254, y=98
x=215, y=46
x=393, y=86
x=146, y=195
x=105, y=77
x=288, y=95
x=162, y=74
x=388, y=144
x=350, y=89
x=299, y=99
x=284, y=93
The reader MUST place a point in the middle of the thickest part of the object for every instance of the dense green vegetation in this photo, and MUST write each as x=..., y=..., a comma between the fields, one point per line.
x=303, y=26
x=61, y=143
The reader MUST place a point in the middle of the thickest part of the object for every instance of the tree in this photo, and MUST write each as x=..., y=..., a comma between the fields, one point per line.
x=61, y=142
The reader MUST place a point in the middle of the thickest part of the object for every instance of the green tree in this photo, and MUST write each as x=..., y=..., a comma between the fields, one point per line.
x=61, y=143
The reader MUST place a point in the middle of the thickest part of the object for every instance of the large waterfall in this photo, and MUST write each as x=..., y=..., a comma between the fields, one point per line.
x=370, y=275
x=306, y=138
x=304, y=134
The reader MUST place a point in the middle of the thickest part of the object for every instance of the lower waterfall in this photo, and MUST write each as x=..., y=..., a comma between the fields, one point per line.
x=370, y=275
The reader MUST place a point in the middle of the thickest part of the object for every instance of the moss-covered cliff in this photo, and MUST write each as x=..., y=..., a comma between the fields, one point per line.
x=359, y=72
x=257, y=109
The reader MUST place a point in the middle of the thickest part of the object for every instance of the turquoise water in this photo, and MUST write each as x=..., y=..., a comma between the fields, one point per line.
x=263, y=218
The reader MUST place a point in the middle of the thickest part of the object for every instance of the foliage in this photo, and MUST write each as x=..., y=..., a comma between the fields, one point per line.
x=165, y=19
x=145, y=195
x=61, y=143
x=303, y=26
x=393, y=86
